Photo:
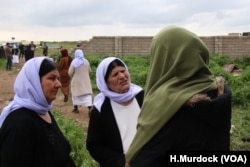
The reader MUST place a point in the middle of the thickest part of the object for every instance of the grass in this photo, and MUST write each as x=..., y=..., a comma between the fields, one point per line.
x=138, y=68
x=76, y=136
x=240, y=129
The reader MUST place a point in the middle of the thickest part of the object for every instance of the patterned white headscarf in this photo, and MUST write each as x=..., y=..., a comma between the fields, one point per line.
x=79, y=58
x=105, y=91
x=28, y=90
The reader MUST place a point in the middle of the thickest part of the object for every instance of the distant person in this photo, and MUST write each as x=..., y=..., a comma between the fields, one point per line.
x=79, y=45
x=21, y=50
x=29, y=134
x=185, y=107
x=8, y=55
x=63, y=67
x=2, y=54
x=45, y=49
x=30, y=51
x=81, y=88
x=14, y=50
x=15, y=57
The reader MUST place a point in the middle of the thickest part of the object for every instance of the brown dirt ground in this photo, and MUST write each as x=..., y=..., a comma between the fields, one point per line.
x=7, y=79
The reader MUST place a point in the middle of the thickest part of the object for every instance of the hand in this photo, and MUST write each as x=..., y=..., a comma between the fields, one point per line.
x=220, y=85
x=127, y=165
x=197, y=98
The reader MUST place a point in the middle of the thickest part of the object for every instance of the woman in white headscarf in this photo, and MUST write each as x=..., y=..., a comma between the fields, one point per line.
x=113, y=120
x=81, y=88
x=29, y=134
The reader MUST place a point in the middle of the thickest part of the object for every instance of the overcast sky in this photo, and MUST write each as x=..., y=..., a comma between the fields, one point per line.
x=71, y=20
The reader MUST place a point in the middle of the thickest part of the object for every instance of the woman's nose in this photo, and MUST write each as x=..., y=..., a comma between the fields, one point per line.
x=58, y=84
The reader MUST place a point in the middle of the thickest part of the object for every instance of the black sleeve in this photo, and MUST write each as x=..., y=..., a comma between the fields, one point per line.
x=70, y=163
x=99, y=142
x=139, y=98
x=216, y=112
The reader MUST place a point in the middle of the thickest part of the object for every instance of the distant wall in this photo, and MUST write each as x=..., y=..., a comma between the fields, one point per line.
x=233, y=46
x=118, y=45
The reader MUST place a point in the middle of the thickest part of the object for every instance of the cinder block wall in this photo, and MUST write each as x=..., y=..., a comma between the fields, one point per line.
x=100, y=45
x=233, y=46
x=118, y=45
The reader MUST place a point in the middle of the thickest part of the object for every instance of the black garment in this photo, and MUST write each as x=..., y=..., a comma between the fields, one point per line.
x=103, y=139
x=14, y=51
x=2, y=52
x=21, y=51
x=204, y=127
x=28, y=55
x=30, y=52
x=45, y=50
x=26, y=140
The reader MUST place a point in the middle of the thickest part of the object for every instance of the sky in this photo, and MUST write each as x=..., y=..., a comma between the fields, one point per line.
x=74, y=20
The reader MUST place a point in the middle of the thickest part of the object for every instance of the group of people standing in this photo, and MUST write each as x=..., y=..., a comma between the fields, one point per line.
x=21, y=51
x=26, y=51
x=183, y=107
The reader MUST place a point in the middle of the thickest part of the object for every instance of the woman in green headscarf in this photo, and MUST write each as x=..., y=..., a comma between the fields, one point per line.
x=182, y=109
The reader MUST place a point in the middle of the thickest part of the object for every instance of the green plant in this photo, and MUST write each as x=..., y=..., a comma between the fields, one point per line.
x=2, y=63
x=138, y=68
x=55, y=55
x=76, y=136
x=240, y=129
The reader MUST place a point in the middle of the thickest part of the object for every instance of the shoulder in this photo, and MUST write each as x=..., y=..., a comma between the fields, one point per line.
x=106, y=105
x=69, y=57
x=140, y=94
x=139, y=97
x=21, y=118
x=64, y=59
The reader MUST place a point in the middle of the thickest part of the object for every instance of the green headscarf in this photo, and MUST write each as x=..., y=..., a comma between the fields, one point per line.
x=178, y=70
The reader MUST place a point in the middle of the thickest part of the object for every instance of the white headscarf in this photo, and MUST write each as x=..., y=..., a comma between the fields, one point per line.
x=79, y=58
x=28, y=90
x=104, y=90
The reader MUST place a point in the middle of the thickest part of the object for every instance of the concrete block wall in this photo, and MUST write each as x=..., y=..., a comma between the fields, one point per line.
x=136, y=45
x=209, y=42
x=100, y=45
x=233, y=46
x=118, y=45
x=236, y=47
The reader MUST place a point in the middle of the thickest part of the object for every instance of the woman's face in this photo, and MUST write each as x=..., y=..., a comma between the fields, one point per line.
x=50, y=84
x=118, y=80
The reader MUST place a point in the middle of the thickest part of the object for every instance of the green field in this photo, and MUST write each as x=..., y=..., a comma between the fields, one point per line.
x=138, y=66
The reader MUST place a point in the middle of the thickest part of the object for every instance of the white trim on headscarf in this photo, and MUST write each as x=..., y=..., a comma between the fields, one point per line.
x=104, y=90
x=79, y=58
x=28, y=90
